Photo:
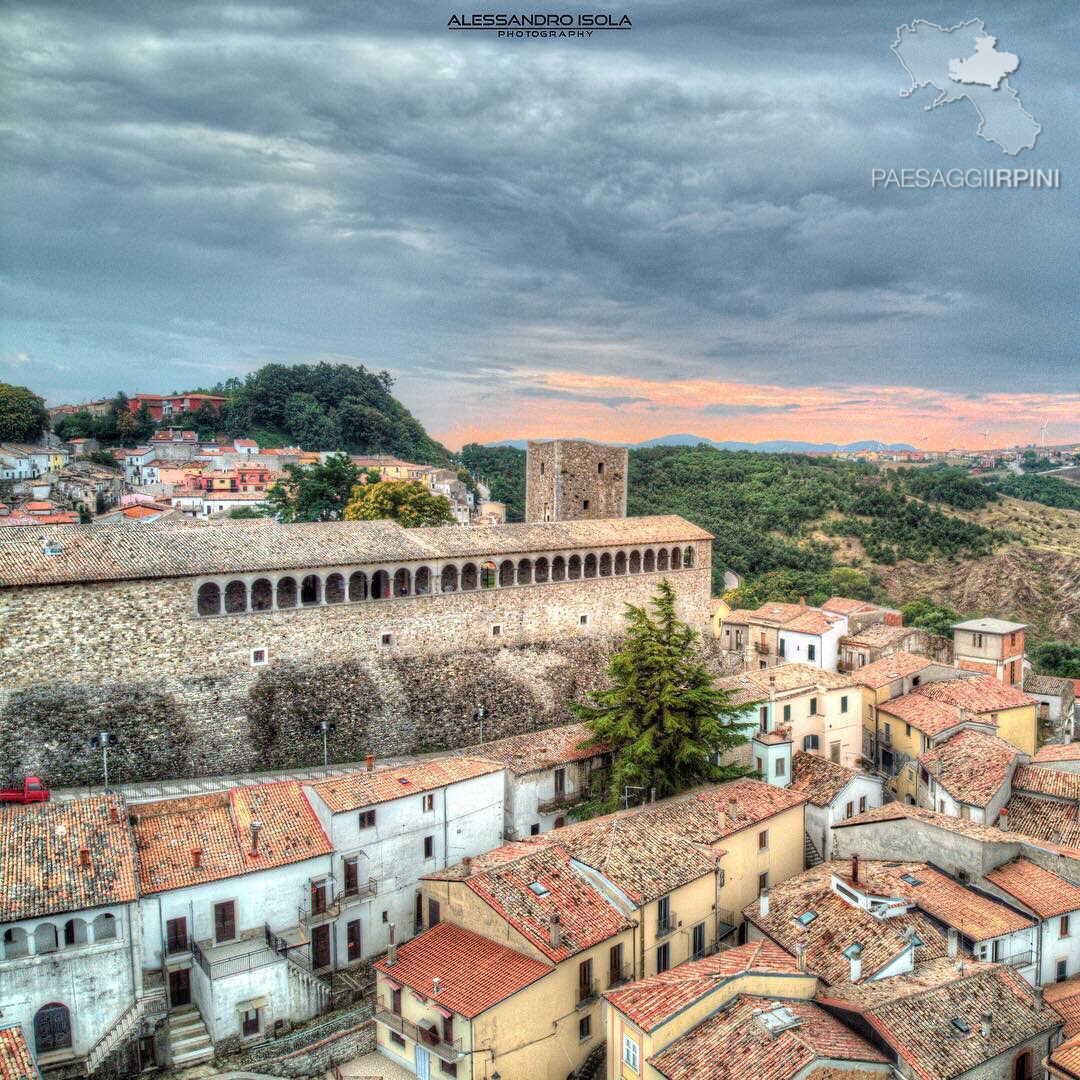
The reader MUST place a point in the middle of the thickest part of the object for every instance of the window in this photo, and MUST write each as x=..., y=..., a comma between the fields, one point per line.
x=600, y=472
x=496, y=630
x=907, y=730
x=787, y=714
x=697, y=941
x=396, y=1039
x=350, y=875
x=843, y=703
x=811, y=652
x=1061, y=972
x=386, y=640
x=759, y=765
x=862, y=803
x=782, y=647
x=810, y=742
x=448, y=1030
x=534, y=829
x=585, y=983
x=763, y=718
x=395, y=1002
x=834, y=753
x=448, y=1068
x=52, y=1028
x=631, y=1054
x=249, y=1023
x=560, y=781
x=584, y=504
x=813, y=706
x=888, y=732
x=763, y=839
x=366, y=819
x=429, y=847
x=762, y=882
x=584, y=1028
x=1012, y=639
x=615, y=972
x=663, y=958
x=225, y=921
x=977, y=639
x=1063, y=927
x=433, y=915
x=429, y=803
x=915, y=681
x=849, y=810
x=781, y=767
x=176, y=939
x=259, y=657
x=583, y=620
x=541, y=468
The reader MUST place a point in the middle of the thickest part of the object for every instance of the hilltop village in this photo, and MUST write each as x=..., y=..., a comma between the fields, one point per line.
x=892, y=888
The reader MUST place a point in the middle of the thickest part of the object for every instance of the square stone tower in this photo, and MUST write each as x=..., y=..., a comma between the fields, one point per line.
x=572, y=480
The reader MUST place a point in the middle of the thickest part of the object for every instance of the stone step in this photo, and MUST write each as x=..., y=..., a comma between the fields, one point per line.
x=186, y=1025
x=193, y=1057
x=189, y=1041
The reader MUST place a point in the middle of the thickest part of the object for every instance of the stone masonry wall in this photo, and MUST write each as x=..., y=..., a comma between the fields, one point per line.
x=560, y=476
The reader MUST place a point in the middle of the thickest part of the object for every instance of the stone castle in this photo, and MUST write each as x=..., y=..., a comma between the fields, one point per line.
x=571, y=480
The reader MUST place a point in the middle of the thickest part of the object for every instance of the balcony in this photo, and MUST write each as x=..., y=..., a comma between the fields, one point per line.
x=618, y=976
x=561, y=801
x=344, y=899
x=427, y=1037
x=761, y=647
x=587, y=993
x=1019, y=960
x=666, y=924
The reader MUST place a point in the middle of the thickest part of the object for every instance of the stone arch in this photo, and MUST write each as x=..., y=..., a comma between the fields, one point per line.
x=208, y=599
x=422, y=581
x=469, y=577
x=357, y=586
x=506, y=573
x=573, y=568
x=662, y=559
x=16, y=942
x=105, y=927
x=560, y=821
x=541, y=571
x=605, y=564
x=286, y=592
x=648, y=563
x=335, y=589
x=45, y=938
x=589, y=566
x=676, y=558
x=449, y=579
x=489, y=573
x=558, y=568
x=311, y=590
x=688, y=556
x=635, y=562
x=75, y=933
x=525, y=572
x=620, y=563
x=262, y=595
x=236, y=597
x=380, y=585
x=403, y=582
x=52, y=1028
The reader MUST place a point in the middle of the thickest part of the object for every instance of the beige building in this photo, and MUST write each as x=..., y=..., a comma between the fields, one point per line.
x=992, y=647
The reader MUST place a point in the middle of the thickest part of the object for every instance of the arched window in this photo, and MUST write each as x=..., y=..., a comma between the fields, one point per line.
x=559, y=822
x=605, y=564
x=488, y=574
x=209, y=602
x=600, y=468
x=649, y=562
x=74, y=933
x=286, y=592
x=311, y=590
x=52, y=1028
x=468, y=577
x=635, y=562
x=105, y=927
x=688, y=556
x=357, y=586
x=450, y=579
x=525, y=572
x=335, y=589
x=558, y=568
x=506, y=573
x=235, y=597
x=620, y=563
x=422, y=582
x=45, y=938
x=262, y=595
x=590, y=565
x=380, y=585
x=676, y=558
x=16, y=943
x=573, y=568
x=402, y=582
x=541, y=571
x=662, y=559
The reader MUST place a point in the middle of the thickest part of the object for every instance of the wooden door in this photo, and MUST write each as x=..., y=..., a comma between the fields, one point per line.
x=179, y=988
x=320, y=946
x=225, y=921
x=352, y=935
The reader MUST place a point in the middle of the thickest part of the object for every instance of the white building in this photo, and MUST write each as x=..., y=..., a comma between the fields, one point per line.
x=812, y=638
x=390, y=827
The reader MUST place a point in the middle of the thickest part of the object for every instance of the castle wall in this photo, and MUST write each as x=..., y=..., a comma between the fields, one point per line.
x=570, y=480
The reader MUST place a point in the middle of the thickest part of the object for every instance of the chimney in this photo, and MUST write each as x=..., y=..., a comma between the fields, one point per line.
x=435, y=987
x=854, y=955
x=954, y=940
x=391, y=948
x=802, y=601
x=763, y=903
x=555, y=930
x=114, y=815
x=84, y=856
x=987, y=1022
x=963, y=714
x=800, y=954
x=855, y=868
x=196, y=857
x=732, y=808
x=652, y=794
x=1037, y=998
x=466, y=865
x=370, y=762
x=721, y=819
x=255, y=827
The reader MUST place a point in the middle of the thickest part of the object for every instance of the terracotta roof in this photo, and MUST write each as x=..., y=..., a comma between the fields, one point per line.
x=842, y=605
x=161, y=549
x=819, y=779
x=218, y=826
x=880, y=635
x=890, y=668
x=1057, y=752
x=929, y=716
x=1044, y=781
x=981, y=666
x=754, y=685
x=535, y=750
x=811, y=622
x=981, y=695
x=917, y=1021
x=1046, y=820
x=1064, y=998
x=898, y=811
x=474, y=972
x=777, y=613
x=1049, y=686
x=740, y=615
x=1066, y=1057
x=41, y=871
x=1043, y=892
x=971, y=766
x=734, y=1043
x=355, y=790
x=650, y=1002
x=16, y=1060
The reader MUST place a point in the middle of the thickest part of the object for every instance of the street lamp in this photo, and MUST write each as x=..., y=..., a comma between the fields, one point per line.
x=478, y=717
x=324, y=729
x=104, y=739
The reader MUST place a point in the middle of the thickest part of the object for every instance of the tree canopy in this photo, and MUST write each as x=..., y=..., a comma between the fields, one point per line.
x=409, y=504
x=1057, y=658
x=316, y=492
x=23, y=417
x=930, y=616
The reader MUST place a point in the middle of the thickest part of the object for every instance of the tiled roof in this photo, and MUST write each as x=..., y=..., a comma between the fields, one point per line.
x=16, y=1061
x=1057, y=752
x=650, y=1002
x=917, y=1021
x=1043, y=892
x=819, y=779
x=512, y=888
x=741, y=616
x=929, y=716
x=890, y=668
x=219, y=827
x=734, y=1043
x=474, y=972
x=1042, y=781
x=990, y=626
x=1064, y=999
x=981, y=666
x=878, y=635
x=898, y=811
x=844, y=606
x=755, y=685
x=838, y=924
x=537, y=750
x=1047, y=820
x=113, y=552
x=41, y=871
x=1066, y=1057
x=355, y=790
x=971, y=766
x=777, y=613
x=811, y=622
x=1049, y=685
x=981, y=695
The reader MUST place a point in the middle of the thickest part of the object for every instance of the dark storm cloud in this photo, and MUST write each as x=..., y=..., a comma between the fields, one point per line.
x=199, y=188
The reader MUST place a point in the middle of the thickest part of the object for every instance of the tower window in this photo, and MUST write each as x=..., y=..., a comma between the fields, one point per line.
x=600, y=468
x=584, y=504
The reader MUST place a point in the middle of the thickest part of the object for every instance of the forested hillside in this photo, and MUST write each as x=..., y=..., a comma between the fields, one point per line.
x=502, y=468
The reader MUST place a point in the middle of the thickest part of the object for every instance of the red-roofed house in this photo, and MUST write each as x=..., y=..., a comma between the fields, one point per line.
x=1005, y=706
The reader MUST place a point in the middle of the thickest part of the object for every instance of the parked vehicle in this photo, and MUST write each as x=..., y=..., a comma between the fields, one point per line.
x=32, y=790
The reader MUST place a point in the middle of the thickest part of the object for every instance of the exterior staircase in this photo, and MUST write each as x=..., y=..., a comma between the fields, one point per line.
x=594, y=1064
x=810, y=853
x=189, y=1043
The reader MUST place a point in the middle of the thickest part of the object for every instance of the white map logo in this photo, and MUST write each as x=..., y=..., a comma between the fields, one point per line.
x=963, y=62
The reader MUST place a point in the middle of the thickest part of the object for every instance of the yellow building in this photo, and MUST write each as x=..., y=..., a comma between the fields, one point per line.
x=1008, y=708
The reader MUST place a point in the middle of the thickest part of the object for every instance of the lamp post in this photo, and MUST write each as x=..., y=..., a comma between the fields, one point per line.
x=478, y=717
x=104, y=739
x=324, y=729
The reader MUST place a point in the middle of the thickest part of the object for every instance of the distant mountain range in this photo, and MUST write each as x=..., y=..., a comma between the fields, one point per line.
x=772, y=446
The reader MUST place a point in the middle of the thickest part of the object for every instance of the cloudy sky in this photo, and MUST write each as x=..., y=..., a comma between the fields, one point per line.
x=670, y=229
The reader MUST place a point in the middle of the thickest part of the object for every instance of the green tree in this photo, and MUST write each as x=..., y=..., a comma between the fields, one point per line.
x=126, y=427
x=22, y=414
x=663, y=717
x=309, y=423
x=409, y=504
x=931, y=616
x=1057, y=658
x=317, y=493
x=245, y=512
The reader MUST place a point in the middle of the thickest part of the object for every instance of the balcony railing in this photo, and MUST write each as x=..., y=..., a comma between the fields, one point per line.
x=561, y=801
x=618, y=976
x=1022, y=959
x=666, y=924
x=176, y=945
x=587, y=993
x=428, y=1037
x=344, y=899
x=761, y=647
x=258, y=957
